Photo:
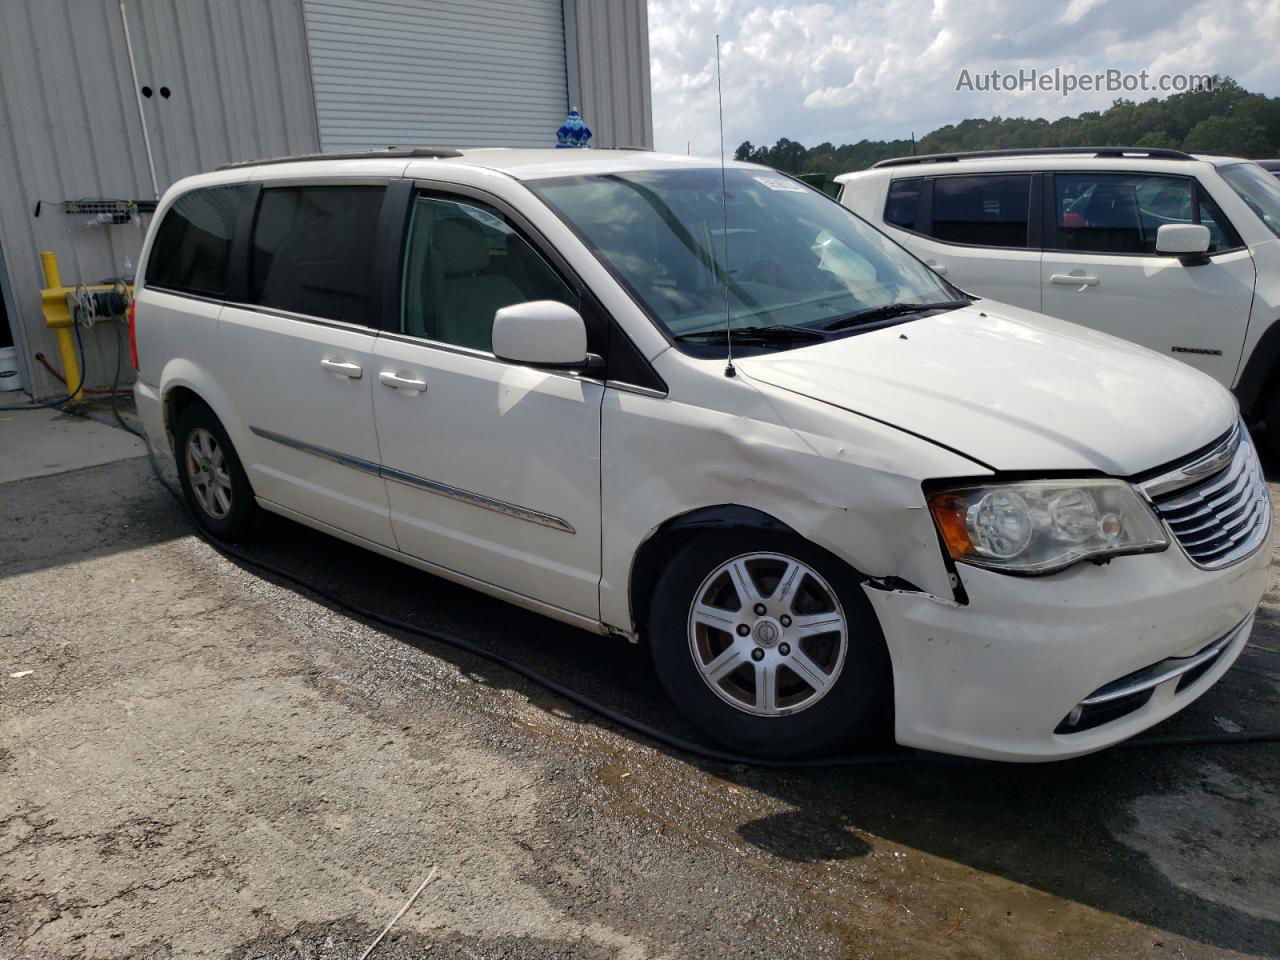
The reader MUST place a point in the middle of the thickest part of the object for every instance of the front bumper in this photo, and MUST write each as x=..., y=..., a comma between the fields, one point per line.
x=997, y=677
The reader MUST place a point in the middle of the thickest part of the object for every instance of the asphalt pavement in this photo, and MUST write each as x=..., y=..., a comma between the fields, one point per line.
x=197, y=760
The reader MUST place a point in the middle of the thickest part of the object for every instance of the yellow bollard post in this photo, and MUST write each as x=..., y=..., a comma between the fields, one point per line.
x=57, y=316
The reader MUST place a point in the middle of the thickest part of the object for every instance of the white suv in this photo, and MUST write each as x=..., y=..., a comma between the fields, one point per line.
x=510, y=368
x=1176, y=252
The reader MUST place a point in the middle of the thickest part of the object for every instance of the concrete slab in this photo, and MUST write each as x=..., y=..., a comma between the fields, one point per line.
x=37, y=443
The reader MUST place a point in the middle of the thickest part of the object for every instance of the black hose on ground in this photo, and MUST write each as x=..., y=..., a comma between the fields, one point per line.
x=57, y=401
x=630, y=723
x=115, y=390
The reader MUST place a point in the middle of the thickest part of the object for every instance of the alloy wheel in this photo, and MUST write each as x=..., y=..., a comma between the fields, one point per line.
x=768, y=634
x=207, y=471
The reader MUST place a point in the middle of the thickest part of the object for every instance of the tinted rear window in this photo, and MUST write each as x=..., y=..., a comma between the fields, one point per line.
x=312, y=251
x=989, y=211
x=903, y=203
x=190, y=251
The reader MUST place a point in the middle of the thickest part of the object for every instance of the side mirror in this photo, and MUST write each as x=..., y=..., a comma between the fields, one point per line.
x=541, y=333
x=1188, y=241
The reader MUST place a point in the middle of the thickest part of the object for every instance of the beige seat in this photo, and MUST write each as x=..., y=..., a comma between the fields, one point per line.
x=467, y=290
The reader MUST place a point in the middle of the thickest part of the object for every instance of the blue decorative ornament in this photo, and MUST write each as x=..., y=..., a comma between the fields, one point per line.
x=573, y=132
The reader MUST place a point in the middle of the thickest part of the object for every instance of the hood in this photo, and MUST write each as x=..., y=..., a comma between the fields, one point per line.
x=1013, y=389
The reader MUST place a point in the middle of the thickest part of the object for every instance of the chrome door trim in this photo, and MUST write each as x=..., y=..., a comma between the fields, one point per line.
x=355, y=463
x=478, y=500
x=421, y=483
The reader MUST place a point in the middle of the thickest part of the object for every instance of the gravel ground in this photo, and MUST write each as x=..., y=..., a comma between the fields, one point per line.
x=202, y=762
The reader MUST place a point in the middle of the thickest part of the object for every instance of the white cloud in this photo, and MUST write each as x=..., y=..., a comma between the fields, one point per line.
x=844, y=71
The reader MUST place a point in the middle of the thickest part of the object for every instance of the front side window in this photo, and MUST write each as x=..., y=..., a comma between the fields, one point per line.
x=989, y=211
x=1259, y=189
x=190, y=251
x=790, y=257
x=464, y=262
x=312, y=251
x=1122, y=213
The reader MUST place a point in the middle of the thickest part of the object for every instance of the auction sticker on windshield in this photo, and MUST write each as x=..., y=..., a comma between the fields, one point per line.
x=783, y=184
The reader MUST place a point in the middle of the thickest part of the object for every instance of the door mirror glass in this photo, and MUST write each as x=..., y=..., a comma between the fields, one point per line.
x=540, y=333
x=1182, y=239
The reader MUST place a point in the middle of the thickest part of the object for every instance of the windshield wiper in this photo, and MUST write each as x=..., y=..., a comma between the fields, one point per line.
x=890, y=311
x=779, y=333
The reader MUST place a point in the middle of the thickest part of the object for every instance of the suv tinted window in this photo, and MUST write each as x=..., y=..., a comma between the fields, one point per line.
x=189, y=254
x=989, y=211
x=464, y=263
x=312, y=251
x=903, y=203
x=1121, y=213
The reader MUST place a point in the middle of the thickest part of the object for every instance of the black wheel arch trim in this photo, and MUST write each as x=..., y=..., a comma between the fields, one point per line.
x=1261, y=371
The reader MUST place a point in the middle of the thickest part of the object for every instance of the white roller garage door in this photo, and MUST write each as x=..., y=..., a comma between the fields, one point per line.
x=437, y=72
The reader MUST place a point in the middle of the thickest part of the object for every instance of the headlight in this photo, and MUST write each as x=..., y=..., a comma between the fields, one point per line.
x=1039, y=526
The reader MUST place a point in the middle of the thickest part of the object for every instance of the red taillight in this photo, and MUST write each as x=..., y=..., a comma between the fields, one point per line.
x=133, y=333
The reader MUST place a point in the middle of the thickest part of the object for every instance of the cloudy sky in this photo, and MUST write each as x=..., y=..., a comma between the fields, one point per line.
x=877, y=69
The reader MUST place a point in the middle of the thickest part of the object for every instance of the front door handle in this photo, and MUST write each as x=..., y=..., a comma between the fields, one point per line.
x=1074, y=280
x=342, y=368
x=939, y=268
x=407, y=385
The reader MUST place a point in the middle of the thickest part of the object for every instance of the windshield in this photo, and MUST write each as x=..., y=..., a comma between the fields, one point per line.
x=795, y=258
x=1259, y=189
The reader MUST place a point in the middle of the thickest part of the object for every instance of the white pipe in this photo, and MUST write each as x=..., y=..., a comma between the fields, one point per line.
x=137, y=92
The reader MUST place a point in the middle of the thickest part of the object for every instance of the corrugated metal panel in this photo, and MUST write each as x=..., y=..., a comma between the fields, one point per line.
x=609, y=42
x=457, y=72
x=69, y=127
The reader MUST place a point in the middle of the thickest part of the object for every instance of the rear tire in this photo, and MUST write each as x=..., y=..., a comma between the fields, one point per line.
x=213, y=481
x=797, y=670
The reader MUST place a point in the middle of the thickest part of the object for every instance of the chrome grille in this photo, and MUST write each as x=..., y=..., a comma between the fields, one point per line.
x=1220, y=518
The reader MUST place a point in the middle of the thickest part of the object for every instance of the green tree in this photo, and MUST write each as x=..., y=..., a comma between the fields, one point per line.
x=1236, y=136
x=1226, y=119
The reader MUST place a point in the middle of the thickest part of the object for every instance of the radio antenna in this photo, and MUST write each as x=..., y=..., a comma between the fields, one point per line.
x=729, y=370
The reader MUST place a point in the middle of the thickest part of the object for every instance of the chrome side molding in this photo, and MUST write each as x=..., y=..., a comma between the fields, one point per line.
x=355, y=463
x=478, y=500
x=421, y=483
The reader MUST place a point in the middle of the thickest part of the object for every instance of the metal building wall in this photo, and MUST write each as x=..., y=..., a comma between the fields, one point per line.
x=609, y=69
x=239, y=87
x=456, y=72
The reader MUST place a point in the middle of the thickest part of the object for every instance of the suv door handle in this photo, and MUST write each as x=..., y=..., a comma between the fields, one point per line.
x=939, y=268
x=406, y=384
x=1074, y=280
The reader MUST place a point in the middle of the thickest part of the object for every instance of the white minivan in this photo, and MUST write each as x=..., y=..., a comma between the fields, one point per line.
x=1020, y=538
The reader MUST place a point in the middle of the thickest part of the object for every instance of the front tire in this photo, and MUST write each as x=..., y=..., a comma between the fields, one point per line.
x=767, y=644
x=213, y=481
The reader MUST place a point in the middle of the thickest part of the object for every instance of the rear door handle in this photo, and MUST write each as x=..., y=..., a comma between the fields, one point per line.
x=342, y=368
x=1074, y=280
x=939, y=268
x=404, y=384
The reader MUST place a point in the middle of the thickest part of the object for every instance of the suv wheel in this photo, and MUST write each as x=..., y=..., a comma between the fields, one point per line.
x=767, y=644
x=212, y=478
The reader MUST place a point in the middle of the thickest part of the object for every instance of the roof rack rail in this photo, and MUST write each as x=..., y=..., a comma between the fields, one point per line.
x=378, y=153
x=1152, y=153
